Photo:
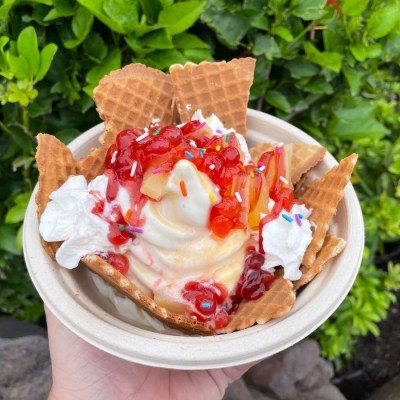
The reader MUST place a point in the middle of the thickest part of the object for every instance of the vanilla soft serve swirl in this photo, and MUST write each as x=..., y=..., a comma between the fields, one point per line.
x=176, y=244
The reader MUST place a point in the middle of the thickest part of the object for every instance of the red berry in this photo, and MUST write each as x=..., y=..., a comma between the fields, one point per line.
x=231, y=155
x=119, y=262
x=127, y=138
x=221, y=226
x=229, y=207
x=173, y=134
x=157, y=146
x=112, y=185
x=221, y=319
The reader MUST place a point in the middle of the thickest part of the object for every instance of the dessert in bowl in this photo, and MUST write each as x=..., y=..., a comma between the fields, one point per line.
x=257, y=123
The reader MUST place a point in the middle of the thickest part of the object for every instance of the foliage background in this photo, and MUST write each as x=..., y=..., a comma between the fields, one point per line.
x=328, y=67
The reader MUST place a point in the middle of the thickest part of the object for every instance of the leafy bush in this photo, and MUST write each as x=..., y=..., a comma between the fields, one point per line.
x=328, y=67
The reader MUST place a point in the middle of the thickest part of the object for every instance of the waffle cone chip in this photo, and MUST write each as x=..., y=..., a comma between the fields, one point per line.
x=215, y=88
x=332, y=247
x=52, y=176
x=274, y=303
x=176, y=321
x=303, y=157
x=129, y=98
x=323, y=196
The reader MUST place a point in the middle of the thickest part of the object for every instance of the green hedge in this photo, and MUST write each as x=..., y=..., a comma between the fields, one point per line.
x=328, y=67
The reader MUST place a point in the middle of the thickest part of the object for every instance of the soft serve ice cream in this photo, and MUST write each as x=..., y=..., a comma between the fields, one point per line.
x=187, y=216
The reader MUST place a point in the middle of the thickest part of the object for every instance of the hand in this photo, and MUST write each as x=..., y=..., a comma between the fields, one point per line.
x=83, y=372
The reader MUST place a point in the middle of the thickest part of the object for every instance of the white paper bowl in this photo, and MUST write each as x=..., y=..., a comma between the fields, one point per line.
x=71, y=296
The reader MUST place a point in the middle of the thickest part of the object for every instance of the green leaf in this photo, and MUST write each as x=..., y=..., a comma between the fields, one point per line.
x=394, y=167
x=81, y=25
x=278, y=100
x=8, y=240
x=331, y=60
x=260, y=21
x=124, y=13
x=284, y=33
x=28, y=48
x=383, y=20
x=112, y=62
x=15, y=214
x=19, y=66
x=353, y=79
x=359, y=51
x=22, y=199
x=188, y=41
x=95, y=46
x=163, y=59
x=266, y=45
x=353, y=8
x=46, y=57
x=374, y=50
x=356, y=120
x=230, y=27
x=181, y=16
x=62, y=8
x=151, y=9
x=309, y=9
x=197, y=55
x=96, y=7
x=301, y=68
x=159, y=39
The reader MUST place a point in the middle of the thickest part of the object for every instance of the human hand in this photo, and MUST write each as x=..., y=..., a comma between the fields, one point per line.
x=83, y=372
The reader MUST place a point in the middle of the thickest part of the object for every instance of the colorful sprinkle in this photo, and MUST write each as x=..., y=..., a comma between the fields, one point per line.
x=238, y=197
x=121, y=227
x=262, y=168
x=189, y=154
x=141, y=137
x=156, y=170
x=227, y=138
x=218, y=148
x=157, y=132
x=284, y=180
x=280, y=144
x=288, y=219
x=257, y=169
x=133, y=169
x=260, y=164
x=134, y=229
x=212, y=197
x=128, y=215
x=298, y=219
x=250, y=162
x=251, y=174
x=219, y=131
x=114, y=157
x=201, y=125
x=192, y=143
x=212, y=166
x=242, y=167
x=301, y=216
x=205, y=304
x=183, y=188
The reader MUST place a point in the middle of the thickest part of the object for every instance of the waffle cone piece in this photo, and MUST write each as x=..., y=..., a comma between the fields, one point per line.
x=303, y=157
x=129, y=98
x=221, y=88
x=51, y=178
x=331, y=248
x=274, y=303
x=323, y=196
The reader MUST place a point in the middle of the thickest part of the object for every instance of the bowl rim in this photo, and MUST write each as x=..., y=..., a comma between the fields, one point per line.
x=193, y=352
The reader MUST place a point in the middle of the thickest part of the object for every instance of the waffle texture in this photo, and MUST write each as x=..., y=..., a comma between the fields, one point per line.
x=216, y=88
x=323, y=196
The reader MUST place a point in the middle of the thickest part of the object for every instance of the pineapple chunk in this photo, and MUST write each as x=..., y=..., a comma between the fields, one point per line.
x=153, y=185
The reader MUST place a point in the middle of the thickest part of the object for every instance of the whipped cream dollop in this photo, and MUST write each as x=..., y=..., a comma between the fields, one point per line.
x=285, y=240
x=68, y=217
